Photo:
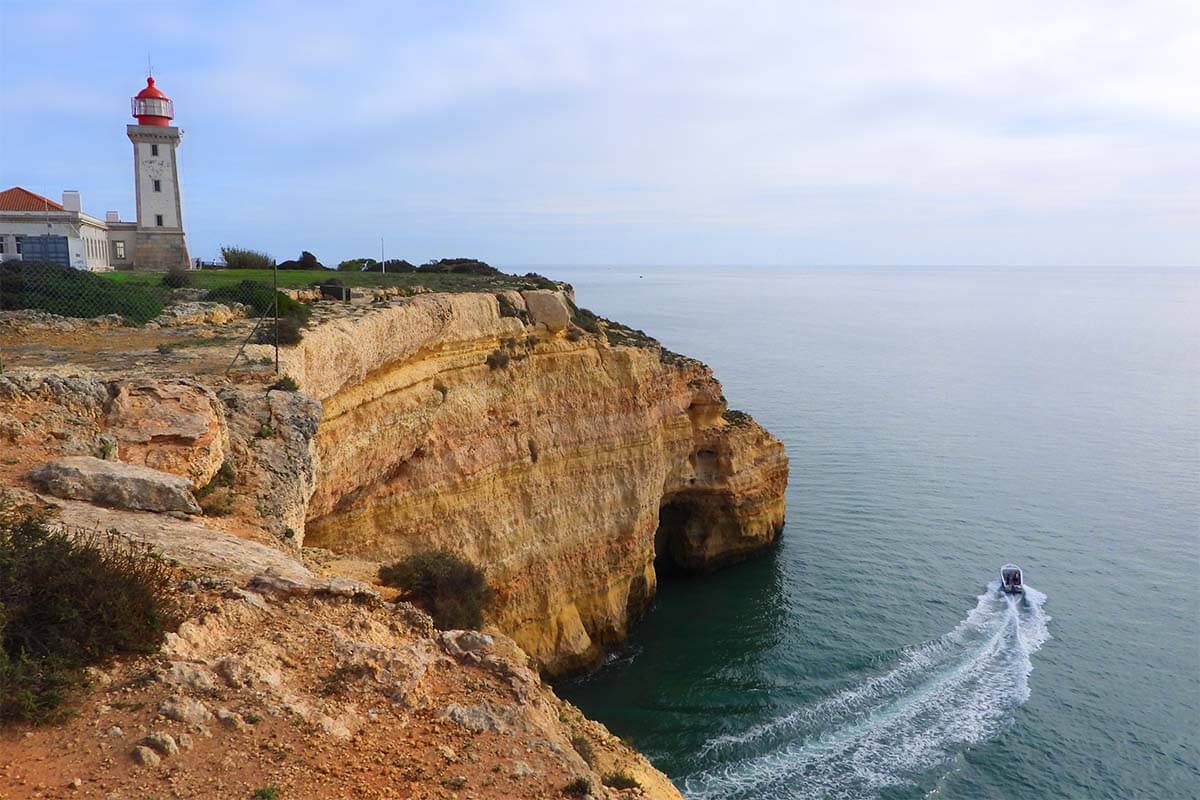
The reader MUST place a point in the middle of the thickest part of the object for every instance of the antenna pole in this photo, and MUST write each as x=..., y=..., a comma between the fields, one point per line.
x=382, y=260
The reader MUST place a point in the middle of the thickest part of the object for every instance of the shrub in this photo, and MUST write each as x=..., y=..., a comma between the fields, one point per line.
x=286, y=384
x=177, y=279
x=393, y=265
x=585, y=319
x=291, y=330
x=266, y=793
x=73, y=293
x=574, y=335
x=69, y=600
x=469, y=266
x=306, y=261
x=498, y=360
x=261, y=298
x=243, y=258
x=620, y=780
x=355, y=264
x=578, y=787
x=452, y=590
x=736, y=417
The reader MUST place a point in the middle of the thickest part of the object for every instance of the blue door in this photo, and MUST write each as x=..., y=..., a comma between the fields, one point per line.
x=46, y=248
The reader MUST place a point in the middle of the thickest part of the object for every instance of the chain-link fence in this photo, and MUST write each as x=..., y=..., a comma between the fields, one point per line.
x=183, y=308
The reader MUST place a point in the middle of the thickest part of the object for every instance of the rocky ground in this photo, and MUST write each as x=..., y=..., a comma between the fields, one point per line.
x=317, y=691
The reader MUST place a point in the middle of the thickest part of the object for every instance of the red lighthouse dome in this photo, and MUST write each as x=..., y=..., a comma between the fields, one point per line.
x=152, y=107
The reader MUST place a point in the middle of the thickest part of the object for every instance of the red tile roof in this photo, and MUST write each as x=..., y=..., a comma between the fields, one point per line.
x=18, y=199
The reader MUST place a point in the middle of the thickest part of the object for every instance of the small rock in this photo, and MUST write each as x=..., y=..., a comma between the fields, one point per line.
x=522, y=770
x=75, y=784
x=189, y=676
x=231, y=719
x=184, y=709
x=185, y=741
x=447, y=753
x=115, y=731
x=162, y=742
x=146, y=757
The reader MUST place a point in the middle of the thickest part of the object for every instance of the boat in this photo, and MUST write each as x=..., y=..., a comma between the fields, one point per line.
x=1011, y=579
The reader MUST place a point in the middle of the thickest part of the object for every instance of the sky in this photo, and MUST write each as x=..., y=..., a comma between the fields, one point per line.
x=639, y=132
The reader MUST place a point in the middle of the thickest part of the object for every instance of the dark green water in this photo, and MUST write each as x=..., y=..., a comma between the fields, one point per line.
x=940, y=422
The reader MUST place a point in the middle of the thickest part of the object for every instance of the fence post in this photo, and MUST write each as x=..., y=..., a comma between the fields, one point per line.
x=275, y=298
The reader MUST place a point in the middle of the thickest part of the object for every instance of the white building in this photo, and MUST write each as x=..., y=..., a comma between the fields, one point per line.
x=37, y=228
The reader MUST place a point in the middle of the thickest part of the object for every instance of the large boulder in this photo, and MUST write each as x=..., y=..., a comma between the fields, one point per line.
x=173, y=426
x=112, y=483
x=547, y=308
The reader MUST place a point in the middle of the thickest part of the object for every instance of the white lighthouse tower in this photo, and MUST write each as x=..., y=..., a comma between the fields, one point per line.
x=159, y=241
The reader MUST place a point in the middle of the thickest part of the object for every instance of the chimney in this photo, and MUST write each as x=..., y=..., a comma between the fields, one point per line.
x=71, y=200
x=112, y=216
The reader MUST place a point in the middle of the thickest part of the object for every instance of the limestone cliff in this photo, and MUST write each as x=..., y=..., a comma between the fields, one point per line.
x=489, y=426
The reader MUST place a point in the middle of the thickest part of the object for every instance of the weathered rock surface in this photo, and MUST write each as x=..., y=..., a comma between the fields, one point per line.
x=547, y=308
x=115, y=484
x=551, y=473
x=199, y=313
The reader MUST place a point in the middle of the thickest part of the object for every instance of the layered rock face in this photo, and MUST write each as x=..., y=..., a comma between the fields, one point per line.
x=489, y=427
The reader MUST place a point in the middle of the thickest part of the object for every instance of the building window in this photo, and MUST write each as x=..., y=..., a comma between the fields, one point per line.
x=158, y=220
x=157, y=185
x=2, y=240
x=19, y=240
x=119, y=251
x=153, y=149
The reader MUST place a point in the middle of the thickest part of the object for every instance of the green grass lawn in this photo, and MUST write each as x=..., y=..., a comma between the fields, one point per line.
x=294, y=279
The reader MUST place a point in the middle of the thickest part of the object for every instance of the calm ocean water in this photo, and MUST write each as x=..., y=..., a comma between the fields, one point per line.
x=940, y=422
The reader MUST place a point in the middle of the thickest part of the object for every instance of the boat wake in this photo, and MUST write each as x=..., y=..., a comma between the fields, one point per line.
x=937, y=699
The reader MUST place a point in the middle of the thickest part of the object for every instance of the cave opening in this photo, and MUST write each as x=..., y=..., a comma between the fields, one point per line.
x=670, y=539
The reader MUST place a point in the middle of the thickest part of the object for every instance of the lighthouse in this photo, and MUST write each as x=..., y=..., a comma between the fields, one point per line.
x=158, y=241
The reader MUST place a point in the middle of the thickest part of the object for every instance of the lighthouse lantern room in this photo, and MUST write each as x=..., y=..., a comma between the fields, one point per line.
x=152, y=107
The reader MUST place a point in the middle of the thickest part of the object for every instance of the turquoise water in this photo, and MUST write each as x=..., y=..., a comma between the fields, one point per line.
x=940, y=422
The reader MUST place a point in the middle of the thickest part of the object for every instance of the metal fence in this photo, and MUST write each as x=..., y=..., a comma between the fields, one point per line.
x=232, y=311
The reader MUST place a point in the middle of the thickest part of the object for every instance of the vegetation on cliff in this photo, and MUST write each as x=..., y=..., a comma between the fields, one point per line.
x=73, y=293
x=452, y=590
x=69, y=600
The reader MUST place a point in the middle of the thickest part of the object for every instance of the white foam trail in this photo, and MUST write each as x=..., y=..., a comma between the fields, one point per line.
x=938, y=698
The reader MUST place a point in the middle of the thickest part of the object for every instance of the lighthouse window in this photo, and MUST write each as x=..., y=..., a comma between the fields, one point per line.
x=157, y=185
x=158, y=220
x=153, y=149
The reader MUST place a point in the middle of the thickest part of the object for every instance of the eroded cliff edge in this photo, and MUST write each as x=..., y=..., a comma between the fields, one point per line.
x=564, y=462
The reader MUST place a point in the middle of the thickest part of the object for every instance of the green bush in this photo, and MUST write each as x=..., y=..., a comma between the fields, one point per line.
x=452, y=590
x=470, y=266
x=734, y=417
x=177, y=279
x=620, y=780
x=266, y=793
x=73, y=293
x=578, y=787
x=498, y=360
x=286, y=384
x=242, y=258
x=306, y=261
x=69, y=600
x=261, y=298
x=291, y=331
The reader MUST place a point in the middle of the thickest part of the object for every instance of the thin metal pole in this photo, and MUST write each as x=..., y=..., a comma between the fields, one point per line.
x=275, y=287
x=382, y=259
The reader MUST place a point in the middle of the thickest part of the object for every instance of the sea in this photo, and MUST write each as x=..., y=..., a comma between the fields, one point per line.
x=940, y=422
